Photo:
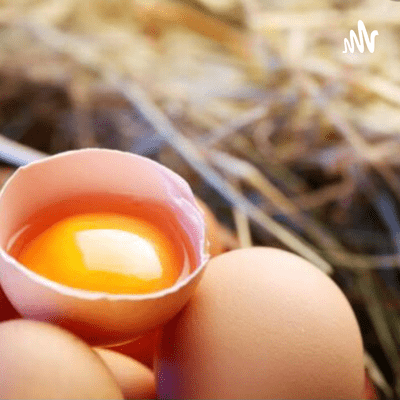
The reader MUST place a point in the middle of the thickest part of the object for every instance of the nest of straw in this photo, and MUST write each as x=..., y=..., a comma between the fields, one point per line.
x=252, y=101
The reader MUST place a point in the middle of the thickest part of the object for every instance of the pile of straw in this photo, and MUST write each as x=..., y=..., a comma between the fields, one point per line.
x=253, y=98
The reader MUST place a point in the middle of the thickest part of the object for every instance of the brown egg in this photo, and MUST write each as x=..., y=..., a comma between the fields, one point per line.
x=264, y=323
x=42, y=361
x=135, y=379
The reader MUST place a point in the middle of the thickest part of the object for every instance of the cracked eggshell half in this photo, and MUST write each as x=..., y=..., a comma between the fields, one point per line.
x=100, y=318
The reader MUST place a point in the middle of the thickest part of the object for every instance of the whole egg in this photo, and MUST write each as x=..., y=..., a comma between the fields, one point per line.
x=264, y=323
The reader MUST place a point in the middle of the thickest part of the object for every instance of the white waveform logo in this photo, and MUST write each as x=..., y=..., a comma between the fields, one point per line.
x=359, y=41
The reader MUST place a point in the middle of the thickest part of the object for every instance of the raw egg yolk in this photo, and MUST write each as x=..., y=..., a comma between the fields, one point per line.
x=106, y=252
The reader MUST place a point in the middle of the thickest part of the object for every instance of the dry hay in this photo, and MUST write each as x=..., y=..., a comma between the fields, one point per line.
x=255, y=96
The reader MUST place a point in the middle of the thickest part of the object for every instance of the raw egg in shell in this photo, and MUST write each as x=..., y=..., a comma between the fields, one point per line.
x=107, y=244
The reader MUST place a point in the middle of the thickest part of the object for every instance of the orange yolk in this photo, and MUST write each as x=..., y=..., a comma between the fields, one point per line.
x=106, y=252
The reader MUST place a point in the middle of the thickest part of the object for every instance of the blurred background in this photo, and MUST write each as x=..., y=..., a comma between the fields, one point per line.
x=289, y=141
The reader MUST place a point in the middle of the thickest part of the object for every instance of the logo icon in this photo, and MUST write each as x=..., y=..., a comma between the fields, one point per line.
x=359, y=41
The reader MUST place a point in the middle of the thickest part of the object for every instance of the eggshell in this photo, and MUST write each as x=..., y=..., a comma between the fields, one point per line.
x=42, y=361
x=264, y=323
x=216, y=245
x=99, y=318
x=134, y=379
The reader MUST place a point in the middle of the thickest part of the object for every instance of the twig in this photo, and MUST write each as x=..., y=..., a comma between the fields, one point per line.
x=318, y=198
x=377, y=314
x=167, y=13
x=377, y=376
x=17, y=154
x=365, y=261
x=242, y=228
x=331, y=158
x=390, y=177
x=372, y=83
x=248, y=172
x=234, y=125
x=380, y=86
